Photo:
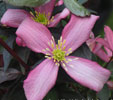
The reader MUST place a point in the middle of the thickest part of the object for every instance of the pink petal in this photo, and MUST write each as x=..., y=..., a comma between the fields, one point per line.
x=14, y=17
x=109, y=36
x=102, y=55
x=110, y=84
x=91, y=44
x=47, y=8
x=40, y=80
x=34, y=35
x=60, y=2
x=103, y=42
x=58, y=17
x=20, y=42
x=87, y=73
x=78, y=30
x=96, y=48
x=109, y=52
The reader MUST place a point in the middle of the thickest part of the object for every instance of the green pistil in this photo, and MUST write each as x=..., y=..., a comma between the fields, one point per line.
x=58, y=55
x=40, y=18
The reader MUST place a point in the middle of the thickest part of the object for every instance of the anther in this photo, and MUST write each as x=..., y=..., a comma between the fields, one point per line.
x=47, y=49
x=69, y=60
x=69, y=49
x=63, y=65
x=61, y=38
x=64, y=42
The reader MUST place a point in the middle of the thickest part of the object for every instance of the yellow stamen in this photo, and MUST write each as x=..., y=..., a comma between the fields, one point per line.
x=58, y=54
x=64, y=48
x=69, y=60
x=41, y=17
x=64, y=42
x=47, y=49
x=69, y=49
x=63, y=65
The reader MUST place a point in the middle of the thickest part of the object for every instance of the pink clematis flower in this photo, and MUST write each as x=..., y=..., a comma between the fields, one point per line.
x=96, y=45
x=97, y=49
x=39, y=39
x=14, y=17
x=108, y=39
x=60, y=2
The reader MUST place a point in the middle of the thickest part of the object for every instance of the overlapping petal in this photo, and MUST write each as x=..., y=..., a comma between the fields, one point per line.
x=102, y=55
x=78, y=30
x=97, y=49
x=14, y=17
x=109, y=36
x=58, y=17
x=20, y=42
x=110, y=84
x=40, y=80
x=60, y=2
x=34, y=35
x=103, y=42
x=47, y=8
x=87, y=73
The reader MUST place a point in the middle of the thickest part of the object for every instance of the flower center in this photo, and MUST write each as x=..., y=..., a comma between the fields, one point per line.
x=58, y=54
x=41, y=18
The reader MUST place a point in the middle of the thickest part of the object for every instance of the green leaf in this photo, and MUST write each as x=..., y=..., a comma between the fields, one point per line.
x=82, y=1
x=28, y=3
x=15, y=93
x=2, y=8
x=76, y=8
x=91, y=95
x=104, y=94
x=66, y=93
x=110, y=67
x=23, y=53
x=83, y=51
x=52, y=95
x=6, y=55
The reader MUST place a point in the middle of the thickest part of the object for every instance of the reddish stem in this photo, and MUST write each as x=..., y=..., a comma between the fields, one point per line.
x=13, y=54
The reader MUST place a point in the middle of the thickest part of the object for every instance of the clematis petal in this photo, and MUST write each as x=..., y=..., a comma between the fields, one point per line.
x=103, y=42
x=47, y=8
x=14, y=17
x=20, y=42
x=110, y=84
x=109, y=36
x=58, y=17
x=34, y=35
x=96, y=48
x=86, y=72
x=78, y=30
x=60, y=2
x=102, y=55
x=108, y=51
x=40, y=80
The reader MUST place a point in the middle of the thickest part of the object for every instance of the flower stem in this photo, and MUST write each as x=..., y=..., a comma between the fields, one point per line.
x=13, y=54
